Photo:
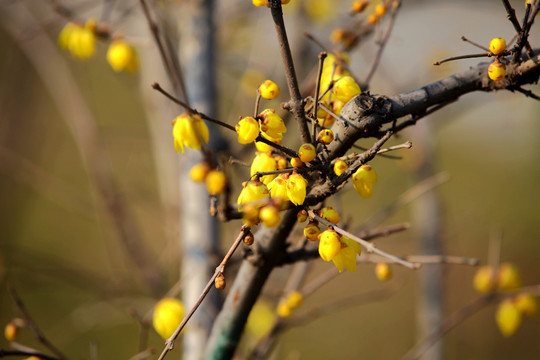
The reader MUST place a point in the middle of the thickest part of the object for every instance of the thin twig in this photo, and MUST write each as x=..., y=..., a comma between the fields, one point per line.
x=32, y=325
x=367, y=245
x=186, y=106
x=322, y=56
x=169, y=344
x=527, y=93
x=475, y=44
x=165, y=50
x=423, y=259
x=377, y=59
x=470, y=56
x=296, y=102
x=522, y=37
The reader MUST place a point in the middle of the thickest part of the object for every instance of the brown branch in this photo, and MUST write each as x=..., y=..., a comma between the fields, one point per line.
x=522, y=37
x=166, y=51
x=32, y=325
x=5, y=353
x=169, y=344
x=296, y=103
x=377, y=59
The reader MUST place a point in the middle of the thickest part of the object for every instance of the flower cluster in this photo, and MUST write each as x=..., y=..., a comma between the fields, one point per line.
x=80, y=41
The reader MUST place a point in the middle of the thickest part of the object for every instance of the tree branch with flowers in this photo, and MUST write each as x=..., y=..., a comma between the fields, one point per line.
x=281, y=208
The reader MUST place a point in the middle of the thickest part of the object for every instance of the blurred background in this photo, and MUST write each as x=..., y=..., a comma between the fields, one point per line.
x=63, y=254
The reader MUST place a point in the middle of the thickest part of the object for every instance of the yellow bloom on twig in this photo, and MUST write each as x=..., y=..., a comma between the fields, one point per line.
x=189, y=130
x=122, y=56
x=329, y=245
x=363, y=180
x=346, y=258
x=247, y=129
x=168, y=314
x=296, y=189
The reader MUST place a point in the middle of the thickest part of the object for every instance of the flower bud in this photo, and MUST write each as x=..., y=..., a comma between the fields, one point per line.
x=269, y=216
x=216, y=181
x=508, y=317
x=497, y=45
x=307, y=152
x=199, y=171
x=326, y=136
x=302, y=216
x=312, y=231
x=526, y=304
x=247, y=129
x=219, y=282
x=269, y=89
x=383, y=271
x=330, y=214
x=496, y=71
x=10, y=331
x=363, y=180
x=484, y=280
x=329, y=245
x=340, y=167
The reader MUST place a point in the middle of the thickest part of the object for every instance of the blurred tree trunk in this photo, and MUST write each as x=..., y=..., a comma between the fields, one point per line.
x=198, y=234
x=426, y=220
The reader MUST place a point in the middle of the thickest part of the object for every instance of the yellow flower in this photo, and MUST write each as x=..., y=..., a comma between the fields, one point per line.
x=168, y=314
x=247, y=129
x=284, y=310
x=278, y=188
x=253, y=192
x=11, y=331
x=329, y=245
x=272, y=124
x=199, y=171
x=281, y=162
x=216, y=181
x=307, y=152
x=312, y=231
x=296, y=189
x=269, y=216
x=326, y=136
x=484, y=280
x=80, y=41
x=294, y=299
x=346, y=88
x=65, y=35
x=264, y=162
x=340, y=167
x=363, y=180
x=346, y=258
x=296, y=162
x=122, y=56
x=188, y=131
x=526, y=304
x=508, y=277
x=497, y=45
x=496, y=71
x=508, y=317
x=260, y=320
x=383, y=271
x=330, y=214
x=268, y=89
x=301, y=216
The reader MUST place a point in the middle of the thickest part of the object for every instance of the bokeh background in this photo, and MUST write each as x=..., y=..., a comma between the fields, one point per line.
x=62, y=254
